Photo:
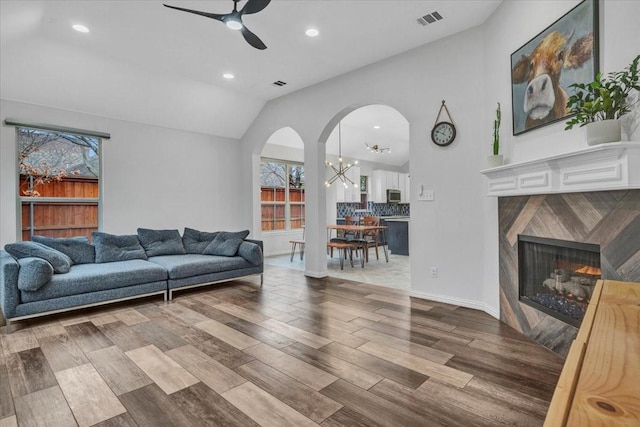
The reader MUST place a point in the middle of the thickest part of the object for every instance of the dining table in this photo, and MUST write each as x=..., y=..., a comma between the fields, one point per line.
x=359, y=233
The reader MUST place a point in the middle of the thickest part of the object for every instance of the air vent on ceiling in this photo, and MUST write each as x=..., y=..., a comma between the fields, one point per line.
x=429, y=18
x=279, y=83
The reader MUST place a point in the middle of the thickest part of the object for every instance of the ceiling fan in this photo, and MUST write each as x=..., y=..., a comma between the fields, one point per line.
x=233, y=19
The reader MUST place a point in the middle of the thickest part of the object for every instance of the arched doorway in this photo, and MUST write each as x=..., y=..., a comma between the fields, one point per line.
x=282, y=191
x=374, y=141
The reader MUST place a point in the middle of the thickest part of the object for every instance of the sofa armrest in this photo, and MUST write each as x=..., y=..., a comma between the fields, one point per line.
x=257, y=242
x=9, y=294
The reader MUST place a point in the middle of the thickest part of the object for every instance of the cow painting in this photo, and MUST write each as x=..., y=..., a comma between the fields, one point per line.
x=544, y=99
x=539, y=70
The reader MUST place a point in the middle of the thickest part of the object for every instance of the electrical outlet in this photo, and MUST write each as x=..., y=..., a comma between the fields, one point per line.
x=434, y=272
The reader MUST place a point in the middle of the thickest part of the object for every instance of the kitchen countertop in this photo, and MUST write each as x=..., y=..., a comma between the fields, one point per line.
x=397, y=219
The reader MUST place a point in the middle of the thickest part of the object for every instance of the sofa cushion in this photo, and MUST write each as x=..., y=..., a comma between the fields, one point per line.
x=79, y=249
x=112, y=248
x=61, y=263
x=86, y=278
x=34, y=273
x=251, y=252
x=195, y=241
x=226, y=243
x=181, y=266
x=161, y=242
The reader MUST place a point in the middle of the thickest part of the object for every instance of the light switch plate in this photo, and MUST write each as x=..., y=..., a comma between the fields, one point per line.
x=426, y=196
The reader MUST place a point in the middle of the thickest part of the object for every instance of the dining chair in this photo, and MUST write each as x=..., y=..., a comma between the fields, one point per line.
x=371, y=237
x=345, y=236
x=300, y=243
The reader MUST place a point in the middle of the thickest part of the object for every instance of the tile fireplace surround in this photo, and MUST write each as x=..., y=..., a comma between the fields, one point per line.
x=590, y=196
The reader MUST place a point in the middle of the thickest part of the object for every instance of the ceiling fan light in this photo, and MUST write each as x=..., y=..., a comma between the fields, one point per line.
x=234, y=24
x=80, y=28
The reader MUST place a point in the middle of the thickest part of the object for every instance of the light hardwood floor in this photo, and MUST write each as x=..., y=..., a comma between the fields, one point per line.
x=295, y=352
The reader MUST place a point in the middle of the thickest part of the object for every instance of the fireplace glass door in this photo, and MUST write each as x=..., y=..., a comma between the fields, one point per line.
x=557, y=276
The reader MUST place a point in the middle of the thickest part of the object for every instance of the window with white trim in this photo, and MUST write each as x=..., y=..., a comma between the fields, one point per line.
x=282, y=195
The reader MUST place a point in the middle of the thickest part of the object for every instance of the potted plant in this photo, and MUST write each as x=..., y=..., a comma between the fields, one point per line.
x=496, y=159
x=600, y=104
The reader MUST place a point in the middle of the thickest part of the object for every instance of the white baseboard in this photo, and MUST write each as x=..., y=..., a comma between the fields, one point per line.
x=316, y=274
x=476, y=305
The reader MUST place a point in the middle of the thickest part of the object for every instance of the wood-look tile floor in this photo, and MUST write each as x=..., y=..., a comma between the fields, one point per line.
x=295, y=352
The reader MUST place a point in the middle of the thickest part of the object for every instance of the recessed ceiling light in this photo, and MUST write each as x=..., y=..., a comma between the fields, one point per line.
x=376, y=127
x=80, y=28
x=312, y=32
x=228, y=76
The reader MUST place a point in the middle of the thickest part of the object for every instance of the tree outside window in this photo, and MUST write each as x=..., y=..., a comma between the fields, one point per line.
x=59, y=183
x=282, y=195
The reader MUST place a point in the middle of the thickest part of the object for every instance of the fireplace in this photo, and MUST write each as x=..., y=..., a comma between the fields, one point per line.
x=557, y=277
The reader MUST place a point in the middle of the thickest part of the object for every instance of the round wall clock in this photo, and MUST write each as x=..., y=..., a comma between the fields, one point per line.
x=444, y=132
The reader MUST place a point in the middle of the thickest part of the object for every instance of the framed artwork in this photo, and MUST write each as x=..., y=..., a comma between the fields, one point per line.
x=564, y=53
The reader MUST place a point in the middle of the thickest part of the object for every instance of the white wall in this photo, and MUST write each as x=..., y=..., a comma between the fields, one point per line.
x=154, y=177
x=443, y=232
x=471, y=71
x=619, y=35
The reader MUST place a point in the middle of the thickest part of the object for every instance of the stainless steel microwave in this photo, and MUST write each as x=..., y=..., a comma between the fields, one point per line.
x=393, y=196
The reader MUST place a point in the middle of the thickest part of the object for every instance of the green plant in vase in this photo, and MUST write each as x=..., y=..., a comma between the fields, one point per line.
x=496, y=159
x=601, y=103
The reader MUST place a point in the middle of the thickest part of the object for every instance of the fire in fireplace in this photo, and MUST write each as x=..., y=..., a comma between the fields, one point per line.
x=557, y=276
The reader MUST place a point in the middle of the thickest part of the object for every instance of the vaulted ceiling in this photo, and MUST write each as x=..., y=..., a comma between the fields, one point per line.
x=146, y=63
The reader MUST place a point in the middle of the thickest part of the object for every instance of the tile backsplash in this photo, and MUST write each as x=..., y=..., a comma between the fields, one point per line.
x=376, y=209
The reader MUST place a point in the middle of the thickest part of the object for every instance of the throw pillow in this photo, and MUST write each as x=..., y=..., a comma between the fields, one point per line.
x=61, y=263
x=196, y=241
x=251, y=252
x=34, y=273
x=226, y=243
x=112, y=248
x=79, y=249
x=161, y=242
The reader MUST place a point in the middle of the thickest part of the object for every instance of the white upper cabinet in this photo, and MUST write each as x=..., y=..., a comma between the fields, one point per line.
x=405, y=188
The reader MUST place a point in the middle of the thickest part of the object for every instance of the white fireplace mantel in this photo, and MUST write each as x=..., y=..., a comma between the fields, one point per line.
x=612, y=166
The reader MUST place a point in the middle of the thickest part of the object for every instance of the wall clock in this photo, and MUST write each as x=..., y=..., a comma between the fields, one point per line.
x=444, y=132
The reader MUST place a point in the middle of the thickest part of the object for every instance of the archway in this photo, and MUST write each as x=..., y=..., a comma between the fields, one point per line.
x=376, y=136
x=281, y=189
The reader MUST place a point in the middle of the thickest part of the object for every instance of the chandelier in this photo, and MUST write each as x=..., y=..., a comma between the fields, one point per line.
x=341, y=170
x=377, y=149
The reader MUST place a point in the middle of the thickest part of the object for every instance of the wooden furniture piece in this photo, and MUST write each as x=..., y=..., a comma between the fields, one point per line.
x=300, y=243
x=600, y=381
x=343, y=248
x=359, y=230
x=370, y=237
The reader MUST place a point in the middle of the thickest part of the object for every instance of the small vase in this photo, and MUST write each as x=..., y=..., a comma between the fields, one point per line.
x=603, y=131
x=495, y=160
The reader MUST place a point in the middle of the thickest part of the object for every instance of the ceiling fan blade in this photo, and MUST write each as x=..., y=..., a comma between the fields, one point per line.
x=252, y=39
x=254, y=6
x=215, y=16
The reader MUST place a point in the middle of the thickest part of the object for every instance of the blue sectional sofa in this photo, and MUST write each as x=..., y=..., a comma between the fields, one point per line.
x=49, y=275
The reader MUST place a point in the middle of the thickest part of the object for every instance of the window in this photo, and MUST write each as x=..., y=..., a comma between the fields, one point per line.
x=282, y=195
x=59, y=176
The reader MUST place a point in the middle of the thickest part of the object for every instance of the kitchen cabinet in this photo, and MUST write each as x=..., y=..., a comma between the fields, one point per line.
x=393, y=182
x=405, y=188
x=379, y=186
x=349, y=194
x=381, y=181
x=398, y=235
